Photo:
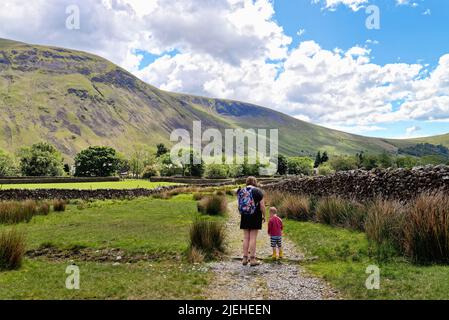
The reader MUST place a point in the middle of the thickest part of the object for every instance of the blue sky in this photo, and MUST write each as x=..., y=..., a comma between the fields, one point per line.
x=312, y=59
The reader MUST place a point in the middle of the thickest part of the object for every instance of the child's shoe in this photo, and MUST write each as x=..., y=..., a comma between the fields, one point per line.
x=274, y=257
x=281, y=254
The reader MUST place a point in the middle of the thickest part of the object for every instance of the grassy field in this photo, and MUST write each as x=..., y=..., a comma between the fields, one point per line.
x=125, y=184
x=342, y=256
x=145, y=225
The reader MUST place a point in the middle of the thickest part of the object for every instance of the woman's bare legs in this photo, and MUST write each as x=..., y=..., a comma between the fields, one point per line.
x=246, y=240
x=253, y=244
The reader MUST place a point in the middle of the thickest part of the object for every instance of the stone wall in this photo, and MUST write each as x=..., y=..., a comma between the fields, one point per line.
x=399, y=184
x=64, y=194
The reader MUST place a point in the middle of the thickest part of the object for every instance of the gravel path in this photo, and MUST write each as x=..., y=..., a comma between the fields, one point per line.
x=269, y=281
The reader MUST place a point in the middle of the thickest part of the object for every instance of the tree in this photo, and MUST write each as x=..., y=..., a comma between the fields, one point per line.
x=385, y=160
x=141, y=157
x=96, y=162
x=7, y=165
x=282, y=165
x=317, y=160
x=161, y=150
x=300, y=165
x=195, y=167
x=41, y=159
x=167, y=167
x=324, y=157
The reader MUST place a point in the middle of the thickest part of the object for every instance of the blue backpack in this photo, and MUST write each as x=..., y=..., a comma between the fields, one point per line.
x=247, y=205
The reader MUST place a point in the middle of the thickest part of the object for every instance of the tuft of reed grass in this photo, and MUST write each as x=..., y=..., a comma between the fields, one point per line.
x=384, y=227
x=195, y=255
x=12, y=212
x=207, y=238
x=275, y=198
x=295, y=208
x=213, y=205
x=59, y=205
x=198, y=196
x=43, y=209
x=12, y=249
x=426, y=229
x=339, y=212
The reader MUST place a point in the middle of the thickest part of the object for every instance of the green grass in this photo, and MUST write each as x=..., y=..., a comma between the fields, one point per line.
x=144, y=225
x=342, y=256
x=125, y=184
x=39, y=279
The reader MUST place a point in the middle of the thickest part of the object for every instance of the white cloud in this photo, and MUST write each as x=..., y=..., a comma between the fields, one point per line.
x=235, y=49
x=412, y=130
x=355, y=5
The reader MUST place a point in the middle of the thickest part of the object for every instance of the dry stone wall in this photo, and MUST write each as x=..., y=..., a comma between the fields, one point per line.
x=398, y=184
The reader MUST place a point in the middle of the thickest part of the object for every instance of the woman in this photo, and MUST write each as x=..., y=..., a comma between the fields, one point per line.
x=251, y=222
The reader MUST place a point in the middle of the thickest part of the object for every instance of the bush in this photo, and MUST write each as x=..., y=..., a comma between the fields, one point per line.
x=427, y=229
x=343, y=163
x=325, y=169
x=213, y=205
x=59, y=205
x=12, y=212
x=342, y=213
x=295, y=208
x=384, y=227
x=300, y=165
x=217, y=171
x=12, y=249
x=150, y=171
x=207, y=237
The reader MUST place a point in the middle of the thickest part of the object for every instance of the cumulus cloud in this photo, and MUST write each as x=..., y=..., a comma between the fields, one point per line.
x=235, y=49
x=355, y=5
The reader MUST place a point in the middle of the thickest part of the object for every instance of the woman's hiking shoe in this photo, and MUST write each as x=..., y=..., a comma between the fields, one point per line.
x=254, y=262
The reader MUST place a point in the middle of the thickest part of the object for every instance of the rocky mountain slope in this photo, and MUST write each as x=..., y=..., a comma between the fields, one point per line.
x=74, y=99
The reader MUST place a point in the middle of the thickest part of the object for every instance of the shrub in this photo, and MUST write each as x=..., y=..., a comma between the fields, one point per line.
x=213, y=205
x=15, y=212
x=343, y=163
x=12, y=249
x=97, y=162
x=217, y=171
x=325, y=169
x=427, y=229
x=384, y=226
x=342, y=213
x=300, y=165
x=59, y=205
x=150, y=171
x=207, y=237
x=295, y=208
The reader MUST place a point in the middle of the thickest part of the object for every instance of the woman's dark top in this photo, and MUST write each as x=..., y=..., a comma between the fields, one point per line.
x=253, y=221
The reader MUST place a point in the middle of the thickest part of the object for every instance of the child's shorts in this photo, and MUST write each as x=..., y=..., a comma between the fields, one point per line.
x=276, y=242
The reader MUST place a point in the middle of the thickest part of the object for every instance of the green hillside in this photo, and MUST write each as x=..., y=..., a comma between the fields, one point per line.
x=74, y=99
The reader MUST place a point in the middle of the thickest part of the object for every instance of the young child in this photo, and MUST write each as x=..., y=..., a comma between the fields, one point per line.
x=275, y=227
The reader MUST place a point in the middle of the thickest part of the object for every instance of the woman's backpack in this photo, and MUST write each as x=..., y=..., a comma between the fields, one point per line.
x=247, y=205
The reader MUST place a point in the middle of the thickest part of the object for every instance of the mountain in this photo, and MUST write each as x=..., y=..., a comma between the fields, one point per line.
x=75, y=99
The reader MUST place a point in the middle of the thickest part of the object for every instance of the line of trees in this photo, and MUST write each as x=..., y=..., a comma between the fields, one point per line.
x=43, y=159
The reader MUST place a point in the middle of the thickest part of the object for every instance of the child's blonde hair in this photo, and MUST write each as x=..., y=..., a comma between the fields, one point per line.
x=273, y=210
